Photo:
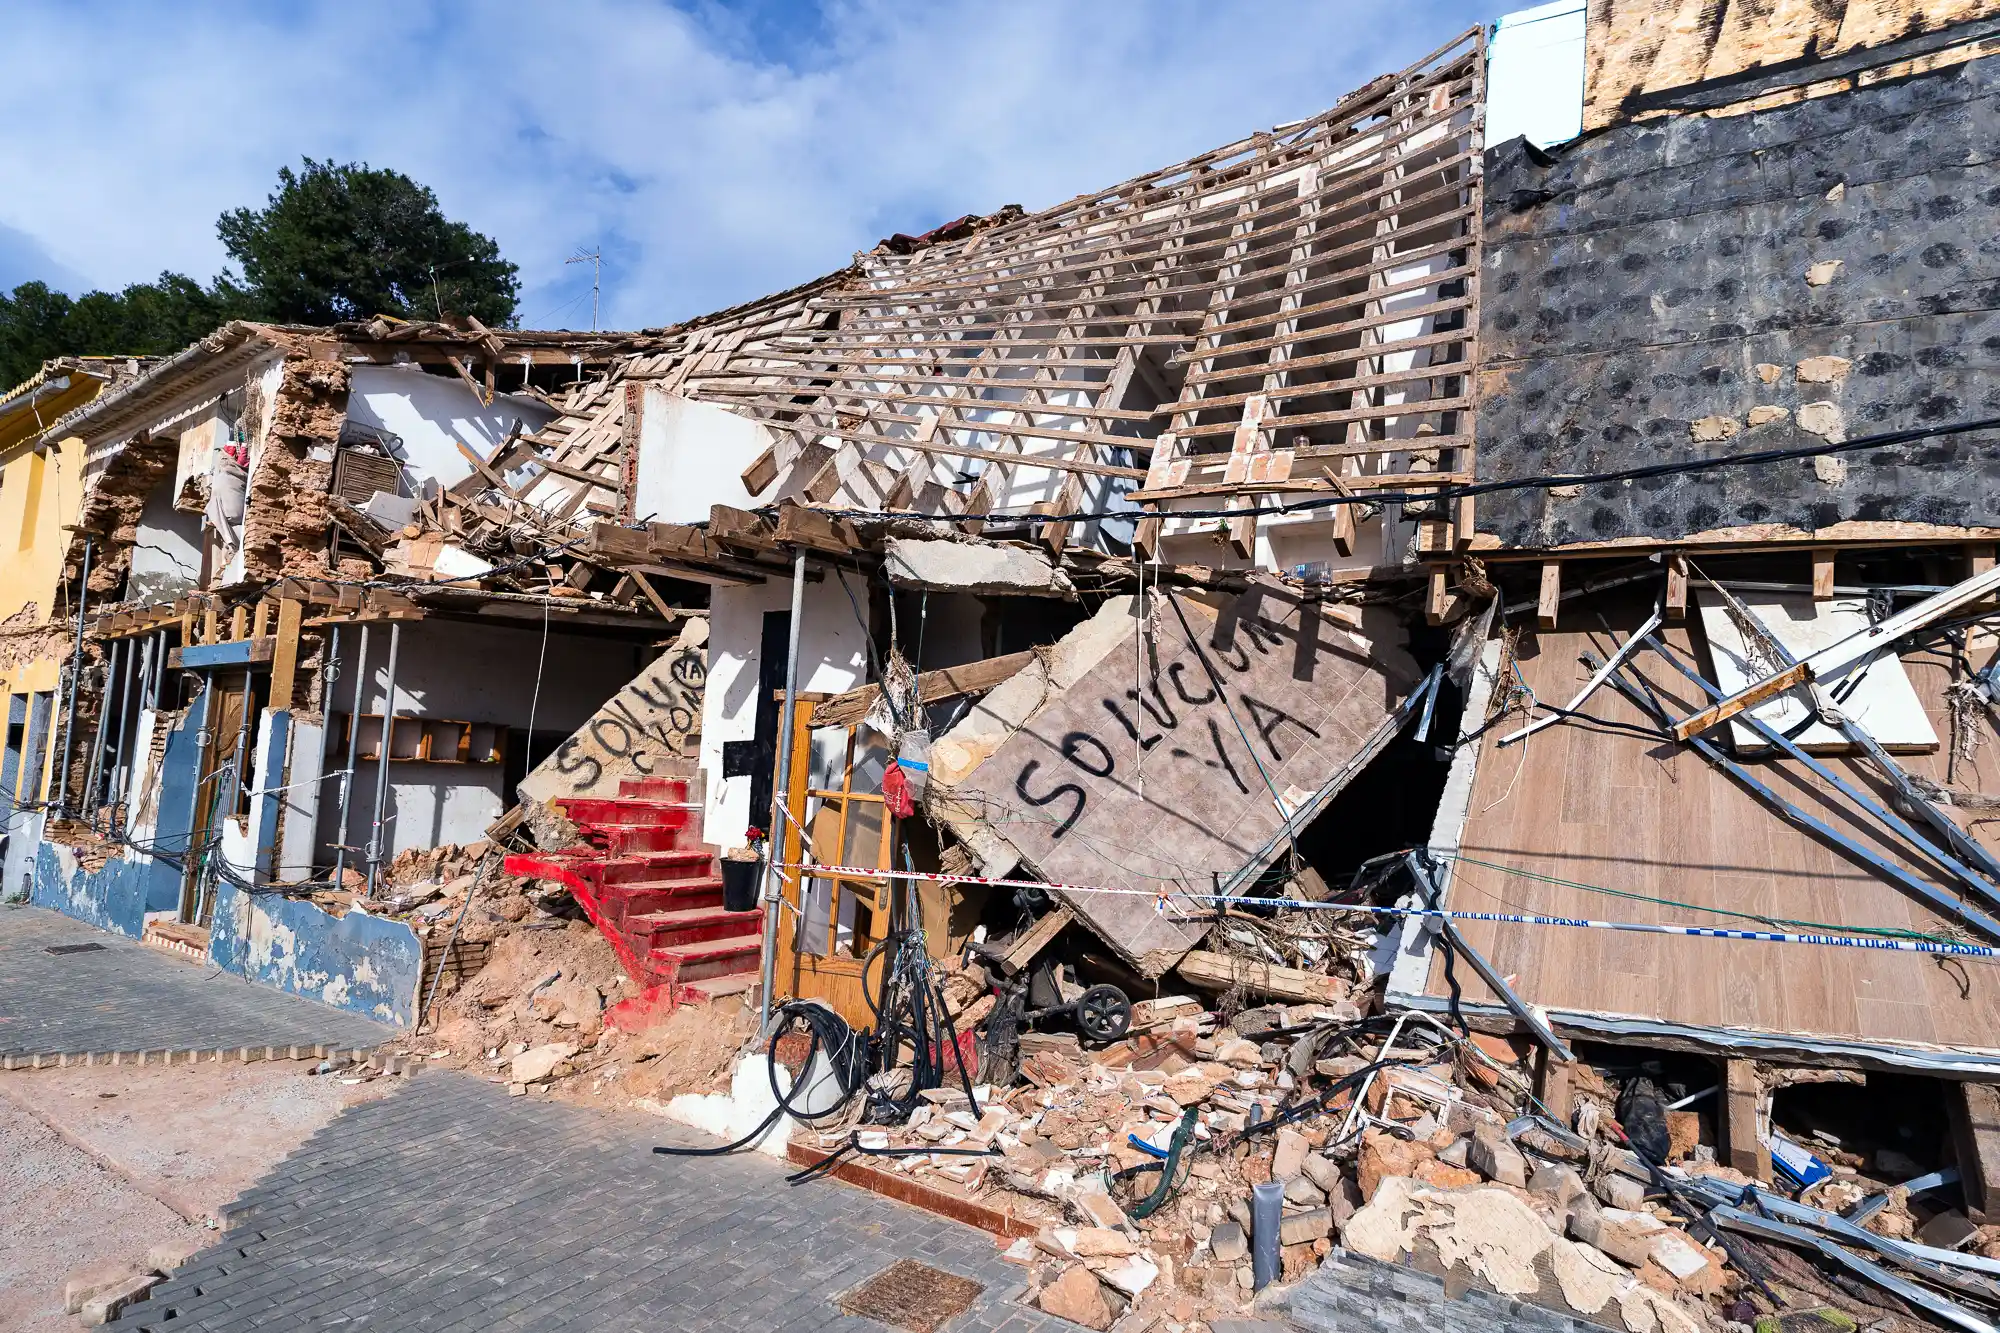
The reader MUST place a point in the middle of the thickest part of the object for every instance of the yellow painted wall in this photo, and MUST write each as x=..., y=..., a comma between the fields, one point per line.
x=38, y=496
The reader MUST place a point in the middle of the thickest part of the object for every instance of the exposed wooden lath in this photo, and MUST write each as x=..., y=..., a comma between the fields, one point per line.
x=1296, y=303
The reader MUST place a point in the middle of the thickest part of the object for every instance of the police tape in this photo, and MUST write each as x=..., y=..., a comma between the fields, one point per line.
x=1164, y=900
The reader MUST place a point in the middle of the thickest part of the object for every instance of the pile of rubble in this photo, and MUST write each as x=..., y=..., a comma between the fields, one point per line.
x=522, y=987
x=1137, y=1164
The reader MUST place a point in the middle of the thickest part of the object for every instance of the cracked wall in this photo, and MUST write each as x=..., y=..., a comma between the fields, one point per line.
x=285, y=515
x=364, y=964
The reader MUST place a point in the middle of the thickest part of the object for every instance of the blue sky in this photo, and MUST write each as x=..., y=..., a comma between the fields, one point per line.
x=713, y=151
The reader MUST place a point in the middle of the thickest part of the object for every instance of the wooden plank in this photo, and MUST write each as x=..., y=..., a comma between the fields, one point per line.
x=285, y=653
x=742, y=528
x=653, y=595
x=844, y=710
x=800, y=526
x=1677, y=587
x=1554, y=1087
x=479, y=464
x=574, y=473
x=1549, y=599
x=1437, y=597
x=1038, y=937
x=1768, y=688
x=1223, y=972
x=1822, y=576
x=1974, y=1113
x=1741, y=1094
x=761, y=472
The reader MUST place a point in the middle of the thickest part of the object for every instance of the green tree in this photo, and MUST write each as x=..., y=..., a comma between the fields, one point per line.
x=346, y=242
x=332, y=243
x=146, y=319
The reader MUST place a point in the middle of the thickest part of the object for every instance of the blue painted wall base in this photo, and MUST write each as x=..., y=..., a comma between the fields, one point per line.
x=365, y=964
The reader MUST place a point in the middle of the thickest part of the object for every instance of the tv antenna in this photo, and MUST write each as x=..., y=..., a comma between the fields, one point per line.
x=594, y=258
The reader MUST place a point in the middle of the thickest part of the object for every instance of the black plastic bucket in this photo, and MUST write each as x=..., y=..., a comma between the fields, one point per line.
x=739, y=884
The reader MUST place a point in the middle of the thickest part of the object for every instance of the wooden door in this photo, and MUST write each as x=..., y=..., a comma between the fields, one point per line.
x=214, y=793
x=828, y=923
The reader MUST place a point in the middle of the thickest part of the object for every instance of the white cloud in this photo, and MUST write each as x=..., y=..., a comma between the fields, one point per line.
x=713, y=158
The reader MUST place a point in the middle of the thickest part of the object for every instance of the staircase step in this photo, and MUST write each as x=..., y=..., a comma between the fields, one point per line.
x=654, y=789
x=622, y=902
x=616, y=810
x=654, y=867
x=682, y=963
x=694, y=925
x=714, y=988
x=621, y=840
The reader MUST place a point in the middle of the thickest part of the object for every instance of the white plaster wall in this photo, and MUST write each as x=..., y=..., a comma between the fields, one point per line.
x=692, y=456
x=833, y=657
x=1534, y=75
x=301, y=799
x=166, y=554
x=428, y=412
x=264, y=387
x=465, y=672
x=487, y=673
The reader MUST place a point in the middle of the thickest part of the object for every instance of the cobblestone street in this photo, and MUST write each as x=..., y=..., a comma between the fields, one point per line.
x=122, y=996
x=450, y=1206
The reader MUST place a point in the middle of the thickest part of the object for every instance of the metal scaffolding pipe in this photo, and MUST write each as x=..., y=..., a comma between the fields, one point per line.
x=128, y=729
x=375, y=848
x=158, y=684
x=75, y=674
x=353, y=743
x=781, y=796
x=96, y=770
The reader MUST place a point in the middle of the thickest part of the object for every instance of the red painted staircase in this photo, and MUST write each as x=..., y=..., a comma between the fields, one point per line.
x=644, y=877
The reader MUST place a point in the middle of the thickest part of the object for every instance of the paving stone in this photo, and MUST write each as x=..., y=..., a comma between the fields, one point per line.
x=450, y=1206
x=127, y=998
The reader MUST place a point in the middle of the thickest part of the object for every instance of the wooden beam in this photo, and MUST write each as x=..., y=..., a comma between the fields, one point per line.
x=1224, y=972
x=1437, y=598
x=762, y=471
x=741, y=527
x=1553, y=1085
x=1038, y=937
x=1550, y=597
x=652, y=594
x=1822, y=576
x=800, y=526
x=285, y=653
x=1974, y=1112
x=844, y=710
x=1741, y=1094
x=1677, y=586
x=1793, y=675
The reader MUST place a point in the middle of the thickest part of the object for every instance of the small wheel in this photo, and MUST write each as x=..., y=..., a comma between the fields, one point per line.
x=1103, y=1013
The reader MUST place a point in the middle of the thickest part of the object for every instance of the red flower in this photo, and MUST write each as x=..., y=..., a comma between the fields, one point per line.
x=753, y=834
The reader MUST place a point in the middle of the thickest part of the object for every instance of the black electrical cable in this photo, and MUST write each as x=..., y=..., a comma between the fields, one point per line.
x=828, y=1033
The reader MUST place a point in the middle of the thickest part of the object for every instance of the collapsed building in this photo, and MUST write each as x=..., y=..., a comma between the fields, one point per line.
x=1425, y=675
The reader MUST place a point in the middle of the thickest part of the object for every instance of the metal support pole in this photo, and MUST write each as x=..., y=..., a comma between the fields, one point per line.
x=1939, y=901
x=243, y=741
x=1865, y=803
x=75, y=674
x=158, y=684
x=375, y=848
x=353, y=742
x=782, y=794
x=104, y=697
x=128, y=728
